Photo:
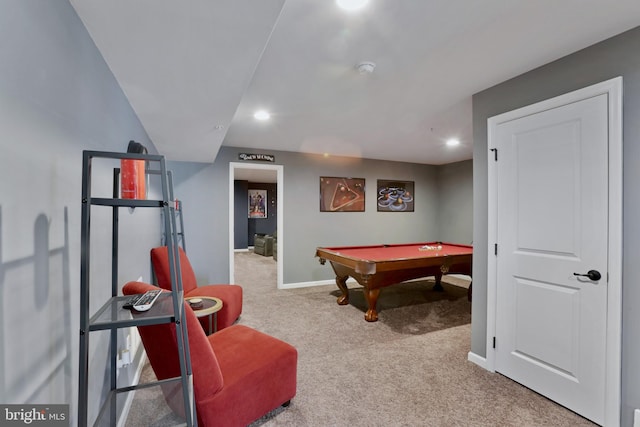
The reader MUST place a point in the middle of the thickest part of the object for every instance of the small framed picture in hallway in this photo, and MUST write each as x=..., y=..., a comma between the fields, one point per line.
x=257, y=203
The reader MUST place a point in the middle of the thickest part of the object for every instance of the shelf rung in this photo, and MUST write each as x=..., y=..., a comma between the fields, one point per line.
x=118, y=155
x=132, y=203
x=147, y=385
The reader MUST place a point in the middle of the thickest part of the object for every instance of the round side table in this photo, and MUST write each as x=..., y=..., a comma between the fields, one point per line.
x=210, y=307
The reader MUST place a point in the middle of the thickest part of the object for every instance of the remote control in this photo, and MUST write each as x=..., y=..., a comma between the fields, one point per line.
x=147, y=299
x=128, y=303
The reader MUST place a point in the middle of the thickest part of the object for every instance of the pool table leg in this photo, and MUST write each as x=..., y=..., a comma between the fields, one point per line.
x=342, y=284
x=371, y=295
x=438, y=286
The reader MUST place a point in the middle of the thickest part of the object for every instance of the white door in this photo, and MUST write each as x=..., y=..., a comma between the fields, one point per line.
x=552, y=207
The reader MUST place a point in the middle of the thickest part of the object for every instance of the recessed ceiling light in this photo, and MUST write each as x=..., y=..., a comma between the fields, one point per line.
x=452, y=142
x=262, y=115
x=351, y=5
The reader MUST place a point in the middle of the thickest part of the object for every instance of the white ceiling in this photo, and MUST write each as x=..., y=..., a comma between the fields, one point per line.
x=195, y=71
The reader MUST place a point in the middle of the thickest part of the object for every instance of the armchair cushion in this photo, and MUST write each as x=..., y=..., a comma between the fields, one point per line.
x=263, y=244
x=231, y=295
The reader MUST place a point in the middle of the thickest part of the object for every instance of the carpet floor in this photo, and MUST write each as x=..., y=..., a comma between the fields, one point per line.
x=409, y=368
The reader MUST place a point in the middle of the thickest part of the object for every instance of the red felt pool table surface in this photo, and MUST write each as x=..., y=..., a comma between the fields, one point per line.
x=402, y=251
x=377, y=266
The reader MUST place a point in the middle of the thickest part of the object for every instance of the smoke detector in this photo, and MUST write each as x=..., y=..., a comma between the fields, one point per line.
x=366, y=67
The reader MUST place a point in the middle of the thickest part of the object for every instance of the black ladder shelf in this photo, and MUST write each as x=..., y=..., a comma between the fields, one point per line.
x=111, y=316
x=179, y=230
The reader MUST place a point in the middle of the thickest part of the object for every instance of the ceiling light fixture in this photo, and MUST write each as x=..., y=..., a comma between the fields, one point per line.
x=351, y=5
x=366, y=67
x=261, y=115
x=452, y=142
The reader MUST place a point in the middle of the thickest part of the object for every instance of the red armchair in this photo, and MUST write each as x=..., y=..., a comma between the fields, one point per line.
x=239, y=374
x=231, y=295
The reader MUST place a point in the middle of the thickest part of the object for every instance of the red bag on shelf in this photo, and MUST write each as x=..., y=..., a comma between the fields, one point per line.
x=133, y=179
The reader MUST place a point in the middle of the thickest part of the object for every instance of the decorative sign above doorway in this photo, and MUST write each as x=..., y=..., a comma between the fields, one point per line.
x=259, y=157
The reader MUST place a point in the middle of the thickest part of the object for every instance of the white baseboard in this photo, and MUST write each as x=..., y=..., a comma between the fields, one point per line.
x=478, y=360
x=460, y=276
x=307, y=284
x=316, y=283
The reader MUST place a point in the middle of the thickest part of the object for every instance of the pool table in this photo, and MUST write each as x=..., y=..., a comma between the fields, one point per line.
x=377, y=266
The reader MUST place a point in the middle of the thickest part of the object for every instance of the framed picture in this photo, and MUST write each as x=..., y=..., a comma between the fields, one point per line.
x=395, y=196
x=257, y=203
x=341, y=194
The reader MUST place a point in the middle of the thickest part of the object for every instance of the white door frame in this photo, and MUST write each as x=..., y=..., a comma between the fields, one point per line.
x=280, y=209
x=613, y=89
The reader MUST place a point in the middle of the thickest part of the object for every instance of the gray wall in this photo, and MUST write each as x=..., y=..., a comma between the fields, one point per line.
x=617, y=56
x=442, y=194
x=240, y=220
x=455, y=202
x=57, y=98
